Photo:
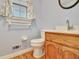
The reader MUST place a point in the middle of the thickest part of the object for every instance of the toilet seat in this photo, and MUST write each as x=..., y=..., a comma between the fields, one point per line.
x=37, y=40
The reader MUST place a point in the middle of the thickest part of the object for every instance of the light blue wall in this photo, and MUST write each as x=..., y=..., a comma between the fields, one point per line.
x=53, y=15
x=10, y=38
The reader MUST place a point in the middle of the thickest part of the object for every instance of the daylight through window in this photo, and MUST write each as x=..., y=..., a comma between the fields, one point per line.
x=19, y=10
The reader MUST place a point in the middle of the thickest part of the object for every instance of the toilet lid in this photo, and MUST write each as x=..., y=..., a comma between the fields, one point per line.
x=37, y=40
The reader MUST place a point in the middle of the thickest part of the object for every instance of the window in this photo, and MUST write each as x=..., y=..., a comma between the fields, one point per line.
x=19, y=10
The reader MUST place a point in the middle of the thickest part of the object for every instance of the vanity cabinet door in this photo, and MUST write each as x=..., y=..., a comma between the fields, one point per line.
x=52, y=51
x=70, y=53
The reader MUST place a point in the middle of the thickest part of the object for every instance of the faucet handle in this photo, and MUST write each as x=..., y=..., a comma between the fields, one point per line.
x=67, y=21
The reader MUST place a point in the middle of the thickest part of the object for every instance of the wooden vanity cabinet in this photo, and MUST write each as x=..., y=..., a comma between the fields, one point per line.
x=69, y=53
x=53, y=51
x=57, y=49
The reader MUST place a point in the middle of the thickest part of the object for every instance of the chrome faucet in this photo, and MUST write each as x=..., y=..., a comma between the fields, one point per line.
x=69, y=27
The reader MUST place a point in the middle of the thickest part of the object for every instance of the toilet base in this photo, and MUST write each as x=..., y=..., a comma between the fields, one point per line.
x=38, y=52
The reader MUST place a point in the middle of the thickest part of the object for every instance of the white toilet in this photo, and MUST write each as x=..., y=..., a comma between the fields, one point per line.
x=38, y=45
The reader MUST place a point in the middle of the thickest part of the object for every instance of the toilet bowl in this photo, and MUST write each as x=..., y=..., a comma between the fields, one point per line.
x=37, y=45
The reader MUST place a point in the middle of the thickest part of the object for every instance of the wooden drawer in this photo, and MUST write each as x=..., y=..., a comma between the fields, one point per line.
x=60, y=36
x=51, y=36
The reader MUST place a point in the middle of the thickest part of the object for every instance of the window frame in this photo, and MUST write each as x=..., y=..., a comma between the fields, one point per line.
x=20, y=20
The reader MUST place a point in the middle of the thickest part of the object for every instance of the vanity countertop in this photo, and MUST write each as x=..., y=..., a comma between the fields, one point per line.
x=61, y=31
